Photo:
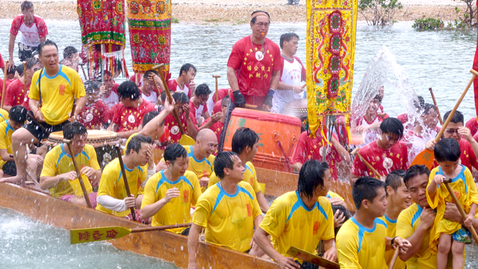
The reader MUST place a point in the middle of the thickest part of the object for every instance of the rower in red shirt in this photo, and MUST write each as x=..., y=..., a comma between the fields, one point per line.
x=186, y=117
x=472, y=124
x=16, y=94
x=185, y=81
x=216, y=121
x=369, y=124
x=253, y=68
x=386, y=154
x=95, y=113
x=197, y=104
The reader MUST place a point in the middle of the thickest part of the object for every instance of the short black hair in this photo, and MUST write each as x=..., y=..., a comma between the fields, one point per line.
x=392, y=126
x=202, y=89
x=18, y=114
x=18, y=68
x=365, y=188
x=394, y=179
x=135, y=143
x=253, y=20
x=426, y=108
x=174, y=151
x=129, y=89
x=47, y=42
x=223, y=160
x=457, y=117
x=287, y=37
x=242, y=138
x=343, y=211
x=91, y=87
x=149, y=116
x=225, y=101
x=73, y=128
x=415, y=170
x=148, y=73
x=377, y=97
x=186, y=68
x=69, y=51
x=311, y=175
x=31, y=62
x=163, y=96
x=26, y=5
x=180, y=97
x=447, y=149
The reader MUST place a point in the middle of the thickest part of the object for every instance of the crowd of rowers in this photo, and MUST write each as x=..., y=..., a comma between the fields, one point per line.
x=223, y=188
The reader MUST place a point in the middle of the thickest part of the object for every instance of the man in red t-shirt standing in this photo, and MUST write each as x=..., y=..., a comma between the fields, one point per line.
x=253, y=68
x=34, y=31
x=16, y=94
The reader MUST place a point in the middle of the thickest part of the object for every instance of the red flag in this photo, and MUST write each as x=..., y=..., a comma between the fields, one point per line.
x=475, y=67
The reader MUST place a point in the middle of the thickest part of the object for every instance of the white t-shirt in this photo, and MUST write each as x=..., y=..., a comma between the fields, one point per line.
x=152, y=98
x=30, y=35
x=111, y=100
x=371, y=134
x=293, y=73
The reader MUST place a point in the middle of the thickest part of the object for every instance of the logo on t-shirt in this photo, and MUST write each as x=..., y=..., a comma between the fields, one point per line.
x=316, y=227
x=186, y=196
x=61, y=90
x=249, y=211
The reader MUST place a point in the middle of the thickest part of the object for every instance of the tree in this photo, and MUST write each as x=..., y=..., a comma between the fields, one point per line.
x=379, y=12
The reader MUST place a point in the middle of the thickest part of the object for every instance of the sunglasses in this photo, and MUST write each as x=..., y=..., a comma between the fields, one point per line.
x=452, y=131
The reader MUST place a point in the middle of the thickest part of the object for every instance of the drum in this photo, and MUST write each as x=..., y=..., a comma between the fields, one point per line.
x=278, y=136
x=103, y=142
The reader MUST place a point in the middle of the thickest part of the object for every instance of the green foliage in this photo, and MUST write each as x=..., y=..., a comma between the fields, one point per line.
x=174, y=20
x=428, y=24
x=379, y=12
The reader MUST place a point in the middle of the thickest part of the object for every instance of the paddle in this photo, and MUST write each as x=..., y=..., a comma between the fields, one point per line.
x=185, y=139
x=24, y=77
x=78, y=236
x=155, y=85
x=394, y=259
x=217, y=88
x=4, y=83
x=426, y=157
x=460, y=209
x=126, y=184
x=355, y=152
x=82, y=184
x=436, y=106
x=311, y=258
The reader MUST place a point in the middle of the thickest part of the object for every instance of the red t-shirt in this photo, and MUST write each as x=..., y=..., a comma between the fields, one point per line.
x=7, y=83
x=309, y=148
x=173, y=86
x=215, y=127
x=403, y=118
x=472, y=125
x=254, y=76
x=130, y=118
x=92, y=116
x=16, y=95
x=196, y=111
x=174, y=131
x=467, y=156
x=2, y=64
x=397, y=158
x=31, y=34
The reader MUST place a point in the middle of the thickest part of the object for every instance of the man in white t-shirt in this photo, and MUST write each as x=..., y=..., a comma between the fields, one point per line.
x=292, y=81
x=149, y=92
x=425, y=129
x=185, y=81
x=33, y=29
x=109, y=91
x=197, y=104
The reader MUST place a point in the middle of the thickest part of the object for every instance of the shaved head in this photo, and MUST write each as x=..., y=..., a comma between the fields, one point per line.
x=206, y=143
x=206, y=135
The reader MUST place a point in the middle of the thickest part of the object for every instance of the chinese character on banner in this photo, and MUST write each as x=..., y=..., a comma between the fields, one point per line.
x=111, y=234
x=97, y=235
x=84, y=236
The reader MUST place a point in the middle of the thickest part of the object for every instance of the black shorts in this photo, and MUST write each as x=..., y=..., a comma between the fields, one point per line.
x=43, y=131
x=307, y=265
x=25, y=51
x=9, y=168
x=186, y=231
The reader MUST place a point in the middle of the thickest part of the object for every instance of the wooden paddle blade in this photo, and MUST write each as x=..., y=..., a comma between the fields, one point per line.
x=426, y=157
x=311, y=258
x=186, y=140
x=87, y=235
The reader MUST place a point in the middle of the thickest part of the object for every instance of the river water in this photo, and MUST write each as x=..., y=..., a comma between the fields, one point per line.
x=440, y=60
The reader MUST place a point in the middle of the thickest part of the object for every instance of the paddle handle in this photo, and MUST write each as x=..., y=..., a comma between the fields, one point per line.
x=126, y=184
x=4, y=83
x=394, y=259
x=82, y=184
x=355, y=151
x=159, y=228
x=436, y=106
x=168, y=93
x=24, y=77
x=217, y=87
x=460, y=209
x=456, y=105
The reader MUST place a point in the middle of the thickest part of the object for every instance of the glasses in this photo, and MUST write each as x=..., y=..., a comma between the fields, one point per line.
x=452, y=131
x=262, y=24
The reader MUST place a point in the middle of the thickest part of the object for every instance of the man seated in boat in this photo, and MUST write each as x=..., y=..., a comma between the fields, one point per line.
x=52, y=93
x=369, y=124
x=129, y=114
x=170, y=193
x=216, y=97
x=216, y=121
x=300, y=218
x=468, y=144
x=95, y=113
x=112, y=198
x=398, y=199
x=16, y=94
x=228, y=210
x=425, y=129
x=149, y=91
x=109, y=90
x=185, y=82
x=254, y=66
x=59, y=174
x=185, y=116
x=197, y=104
x=362, y=241
x=244, y=143
x=385, y=155
x=292, y=81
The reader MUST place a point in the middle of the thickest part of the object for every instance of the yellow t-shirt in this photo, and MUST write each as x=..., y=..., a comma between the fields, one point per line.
x=228, y=219
x=177, y=210
x=6, y=132
x=57, y=93
x=249, y=177
x=3, y=115
x=291, y=223
x=202, y=168
x=391, y=231
x=465, y=190
x=360, y=247
x=332, y=194
x=57, y=162
x=112, y=184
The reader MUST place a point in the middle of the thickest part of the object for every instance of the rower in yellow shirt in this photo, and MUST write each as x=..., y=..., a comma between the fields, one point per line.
x=228, y=210
x=59, y=174
x=112, y=198
x=245, y=142
x=362, y=241
x=170, y=193
x=3, y=115
x=301, y=219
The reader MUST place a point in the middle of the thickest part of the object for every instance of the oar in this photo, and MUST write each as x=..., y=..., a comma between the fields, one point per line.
x=394, y=259
x=427, y=156
x=460, y=209
x=4, y=83
x=24, y=77
x=311, y=258
x=355, y=152
x=185, y=139
x=126, y=184
x=217, y=88
x=436, y=106
x=82, y=184
x=88, y=235
x=155, y=85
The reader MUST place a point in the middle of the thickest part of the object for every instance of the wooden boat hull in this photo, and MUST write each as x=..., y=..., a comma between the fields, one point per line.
x=164, y=245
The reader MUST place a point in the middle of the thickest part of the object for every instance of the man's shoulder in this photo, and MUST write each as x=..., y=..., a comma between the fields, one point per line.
x=18, y=19
x=38, y=20
x=15, y=85
x=246, y=188
x=272, y=43
x=407, y=215
x=68, y=71
x=3, y=127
